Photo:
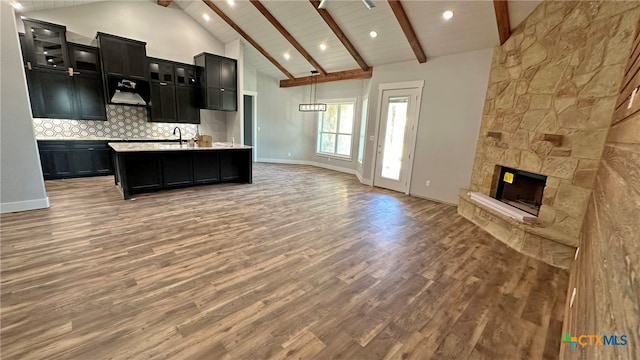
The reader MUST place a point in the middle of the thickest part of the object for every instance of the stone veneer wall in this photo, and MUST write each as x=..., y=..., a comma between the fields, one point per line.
x=559, y=73
x=122, y=122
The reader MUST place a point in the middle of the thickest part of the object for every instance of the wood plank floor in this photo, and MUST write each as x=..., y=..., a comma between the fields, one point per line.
x=304, y=263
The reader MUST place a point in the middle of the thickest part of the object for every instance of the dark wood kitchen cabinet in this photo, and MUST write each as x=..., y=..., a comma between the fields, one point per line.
x=142, y=171
x=173, y=92
x=217, y=77
x=73, y=92
x=89, y=97
x=87, y=83
x=46, y=45
x=188, y=109
x=145, y=171
x=186, y=104
x=123, y=57
x=206, y=168
x=52, y=94
x=163, y=91
x=177, y=169
x=62, y=159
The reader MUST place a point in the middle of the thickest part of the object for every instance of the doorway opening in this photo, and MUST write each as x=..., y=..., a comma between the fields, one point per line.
x=250, y=126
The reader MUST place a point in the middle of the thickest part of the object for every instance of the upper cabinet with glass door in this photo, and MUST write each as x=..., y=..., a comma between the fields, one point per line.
x=47, y=45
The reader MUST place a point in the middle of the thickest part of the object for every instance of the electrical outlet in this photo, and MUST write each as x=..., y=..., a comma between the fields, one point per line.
x=427, y=183
x=289, y=154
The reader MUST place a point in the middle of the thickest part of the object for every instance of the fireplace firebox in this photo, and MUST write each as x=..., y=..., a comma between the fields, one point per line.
x=520, y=189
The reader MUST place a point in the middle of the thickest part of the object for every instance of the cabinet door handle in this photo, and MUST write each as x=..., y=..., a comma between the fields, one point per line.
x=163, y=83
x=89, y=148
x=29, y=65
x=221, y=89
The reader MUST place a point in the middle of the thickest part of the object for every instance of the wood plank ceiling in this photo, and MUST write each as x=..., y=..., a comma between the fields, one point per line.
x=283, y=38
x=407, y=31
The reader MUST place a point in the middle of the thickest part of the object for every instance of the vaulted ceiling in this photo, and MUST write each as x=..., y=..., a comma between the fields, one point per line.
x=473, y=26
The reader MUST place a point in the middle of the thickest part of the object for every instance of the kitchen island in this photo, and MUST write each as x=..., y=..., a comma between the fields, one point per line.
x=144, y=167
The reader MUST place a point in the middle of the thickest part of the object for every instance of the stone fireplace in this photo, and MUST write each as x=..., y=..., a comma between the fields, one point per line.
x=518, y=188
x=550, y=100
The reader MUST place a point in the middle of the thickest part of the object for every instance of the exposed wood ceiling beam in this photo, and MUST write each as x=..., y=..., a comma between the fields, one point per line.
x=164, y=3
x=263, y=10
x=334, y=76
x=246, y=36
x=409, y=33
x=502, y=17
x=341, y=36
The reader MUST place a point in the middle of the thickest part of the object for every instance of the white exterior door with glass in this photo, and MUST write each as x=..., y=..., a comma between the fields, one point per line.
x=396, y=137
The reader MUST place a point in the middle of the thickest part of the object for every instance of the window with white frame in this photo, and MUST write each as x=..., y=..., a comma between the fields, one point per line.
x=335, y=128
x=363, y=130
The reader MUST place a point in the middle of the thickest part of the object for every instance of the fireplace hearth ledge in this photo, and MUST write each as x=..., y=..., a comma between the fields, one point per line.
x=545, y=244
x=502, y=208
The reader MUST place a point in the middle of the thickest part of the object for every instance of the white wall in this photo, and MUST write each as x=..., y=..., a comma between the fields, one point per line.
x=281, y=130
x=288, y=135
x=250, y=77
x=21, y=184
x=450, y=115
x=235, y=127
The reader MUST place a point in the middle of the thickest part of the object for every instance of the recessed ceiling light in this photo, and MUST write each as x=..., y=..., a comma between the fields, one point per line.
x=323, y=47
x=206, y=17
x=287, y=56
x=230, y=2
x=17, y=5
x=447, y=14
x=373, y=34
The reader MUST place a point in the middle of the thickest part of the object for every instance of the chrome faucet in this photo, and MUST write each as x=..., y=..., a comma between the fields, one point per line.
x=179, y=133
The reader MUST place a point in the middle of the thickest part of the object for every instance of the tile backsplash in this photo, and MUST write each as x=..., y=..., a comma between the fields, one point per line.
x=123, y=122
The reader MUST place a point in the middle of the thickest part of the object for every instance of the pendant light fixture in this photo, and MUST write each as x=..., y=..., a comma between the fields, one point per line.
x=313, y=105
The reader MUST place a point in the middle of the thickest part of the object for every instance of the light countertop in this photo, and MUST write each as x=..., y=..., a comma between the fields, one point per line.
x=44, y=138
x=150, y=146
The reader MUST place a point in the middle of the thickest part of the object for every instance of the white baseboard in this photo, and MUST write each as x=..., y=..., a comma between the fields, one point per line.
x=362, y=180
x=285, y=161
x=434, y=200
x=312, y=163
x=24, y=205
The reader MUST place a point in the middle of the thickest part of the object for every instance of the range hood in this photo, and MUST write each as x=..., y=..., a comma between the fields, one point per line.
x=126, y=94
x=125, y=91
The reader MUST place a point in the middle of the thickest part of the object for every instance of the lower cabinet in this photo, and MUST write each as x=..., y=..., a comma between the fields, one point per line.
x=103, y=161
x=142, y=171
x=177, y=169
x=232, y=165
x=205, y=168
x=62, y=159
x=61, y=163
